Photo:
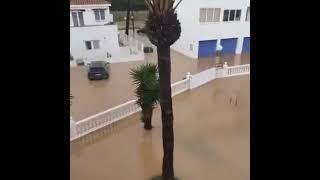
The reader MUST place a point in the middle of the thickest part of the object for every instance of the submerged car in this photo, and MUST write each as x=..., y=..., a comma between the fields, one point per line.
x=142, y=31
x=98, y=70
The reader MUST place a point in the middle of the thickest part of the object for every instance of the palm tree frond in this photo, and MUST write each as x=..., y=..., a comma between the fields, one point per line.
x=177, y=5
x=147, y=89
x=150, y=5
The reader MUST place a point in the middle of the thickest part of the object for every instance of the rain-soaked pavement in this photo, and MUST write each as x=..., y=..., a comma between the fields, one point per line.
x=212, y=139
x=92, y=97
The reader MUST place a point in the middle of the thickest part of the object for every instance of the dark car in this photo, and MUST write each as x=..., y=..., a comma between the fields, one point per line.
x=142, y=31
x=98, y=70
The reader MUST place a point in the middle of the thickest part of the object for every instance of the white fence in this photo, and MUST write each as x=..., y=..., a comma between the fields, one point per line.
x=237, y=70
x=180, y=86
x=202, y=78
x=105, y=118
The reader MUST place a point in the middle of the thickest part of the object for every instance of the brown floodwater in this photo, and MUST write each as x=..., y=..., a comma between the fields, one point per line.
x=92, y=97
x=212, y=139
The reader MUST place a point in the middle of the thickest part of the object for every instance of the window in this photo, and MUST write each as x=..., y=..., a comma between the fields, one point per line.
x=216, y=16
x=88, y=45
x=209, y=15
x=95, y=44
x=232, y=15
x=99, y=14
x=77, y=17
x=203, y=14
x=97, y=69
x=248, y=14
x=238, y=15
x=225, y=15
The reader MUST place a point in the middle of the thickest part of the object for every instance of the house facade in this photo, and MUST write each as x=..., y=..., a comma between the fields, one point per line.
x=93, y=35
x=211, y=25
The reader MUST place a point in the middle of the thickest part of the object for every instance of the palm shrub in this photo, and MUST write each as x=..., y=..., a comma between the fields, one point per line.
x=147, y=90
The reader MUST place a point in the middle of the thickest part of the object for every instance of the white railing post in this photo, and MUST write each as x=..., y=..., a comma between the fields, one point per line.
x=73, y=128
x=225, y=69
x=189, y=76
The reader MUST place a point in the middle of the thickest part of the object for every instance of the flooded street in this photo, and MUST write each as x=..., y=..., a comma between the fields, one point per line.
x=212, y=135
x=92, y=97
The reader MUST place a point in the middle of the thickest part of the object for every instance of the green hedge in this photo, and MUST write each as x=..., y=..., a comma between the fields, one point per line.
x=138, y=15
x=120, y=5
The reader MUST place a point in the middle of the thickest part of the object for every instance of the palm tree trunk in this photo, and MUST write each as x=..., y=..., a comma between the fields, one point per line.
x=148, y=118
x=164, y=64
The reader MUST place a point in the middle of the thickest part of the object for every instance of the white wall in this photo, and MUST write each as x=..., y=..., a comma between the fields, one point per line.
x=186, y=15
x=88, y=15
x=107, y=34
x=193, y=31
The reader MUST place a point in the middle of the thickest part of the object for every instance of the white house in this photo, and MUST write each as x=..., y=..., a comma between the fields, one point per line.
x=93, y=35
x=207, y=24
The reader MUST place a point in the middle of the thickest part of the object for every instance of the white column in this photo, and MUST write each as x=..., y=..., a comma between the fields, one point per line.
x=189, y=76
x=195, y=52
x=225, y=69
x=218, y=44
x=73, y=130
x=239, y=45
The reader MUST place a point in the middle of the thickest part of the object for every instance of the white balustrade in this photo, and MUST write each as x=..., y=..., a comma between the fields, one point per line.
x=180, y=87
x=105, y=118
x=238, y=70
x=202, y=77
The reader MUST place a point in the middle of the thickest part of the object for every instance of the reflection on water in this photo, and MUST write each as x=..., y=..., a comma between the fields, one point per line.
x=151, y=160
x=212, y=139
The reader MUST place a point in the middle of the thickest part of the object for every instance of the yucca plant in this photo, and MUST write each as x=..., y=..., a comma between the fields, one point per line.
x=147, y=90
x=163, y=29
